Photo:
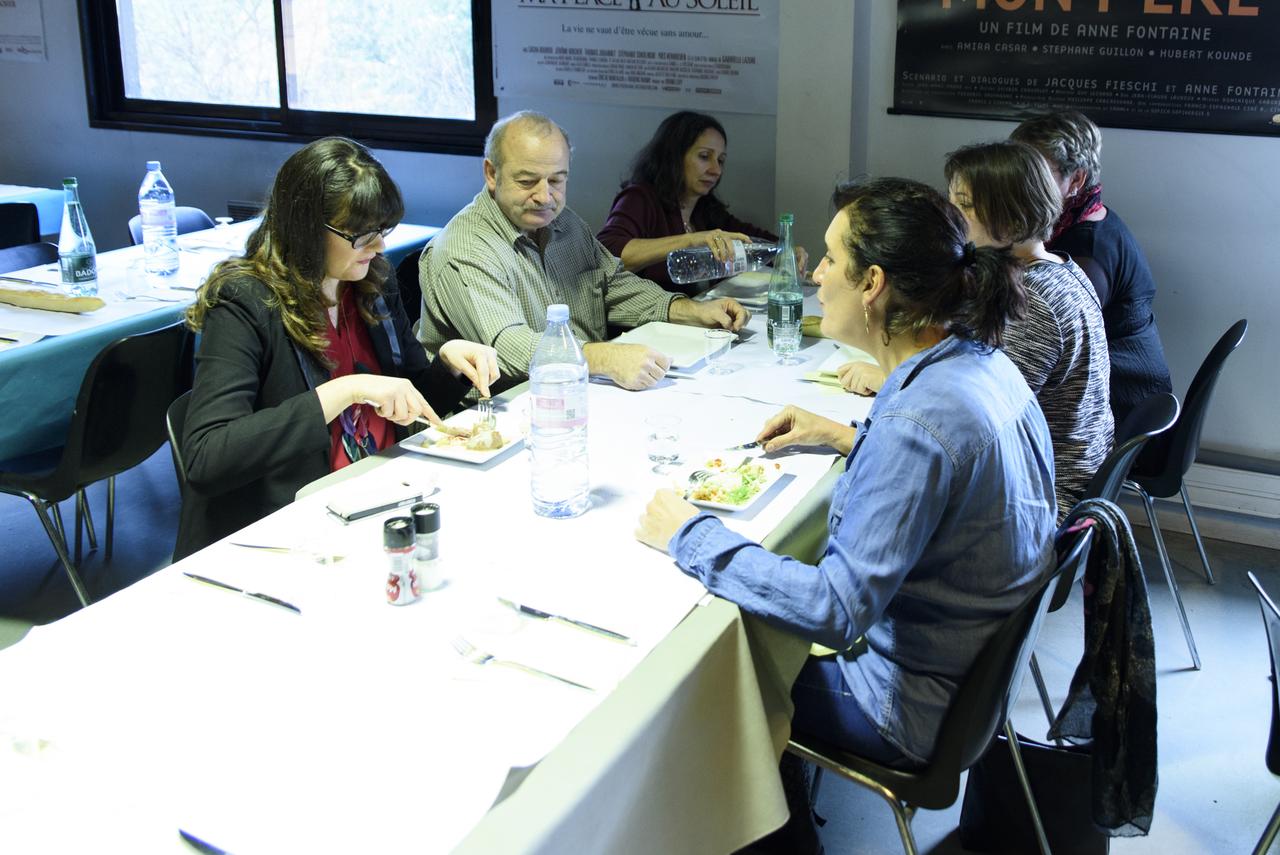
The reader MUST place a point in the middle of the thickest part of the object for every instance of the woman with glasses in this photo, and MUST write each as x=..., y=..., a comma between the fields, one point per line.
x=307, y=361
x=669, y=202
x=924, y=557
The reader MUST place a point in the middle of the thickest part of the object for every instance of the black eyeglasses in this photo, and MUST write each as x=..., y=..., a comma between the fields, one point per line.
x=361, y=241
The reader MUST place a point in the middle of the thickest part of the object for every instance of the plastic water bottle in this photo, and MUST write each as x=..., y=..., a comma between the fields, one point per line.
x=786, y=301
x=697, y=263
x=159, y=222
x=561, y=482
x=77, y=253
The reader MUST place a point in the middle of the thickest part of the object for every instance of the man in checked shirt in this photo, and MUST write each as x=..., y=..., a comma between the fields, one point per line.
x=516, y=249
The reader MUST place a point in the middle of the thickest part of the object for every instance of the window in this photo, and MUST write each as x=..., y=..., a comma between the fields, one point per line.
x=392, y=73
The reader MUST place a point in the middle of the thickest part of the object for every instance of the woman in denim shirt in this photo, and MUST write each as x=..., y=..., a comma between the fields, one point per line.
x=943, y=521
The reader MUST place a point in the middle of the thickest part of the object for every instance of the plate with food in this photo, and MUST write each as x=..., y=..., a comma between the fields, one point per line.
x=465, y=438
x=733, y=484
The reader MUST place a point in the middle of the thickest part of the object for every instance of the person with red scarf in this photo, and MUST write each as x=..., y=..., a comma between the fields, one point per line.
x=1098, y=240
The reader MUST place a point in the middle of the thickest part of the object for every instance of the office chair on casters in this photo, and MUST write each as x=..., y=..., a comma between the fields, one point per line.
x=1159, y=472
x=27, y=255
x=1271, y=622
x=19, y=224
x=118, y=422
x=189, y=220
x=979, y=709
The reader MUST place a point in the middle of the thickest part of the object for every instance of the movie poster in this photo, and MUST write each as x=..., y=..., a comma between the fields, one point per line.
x=1182, y=65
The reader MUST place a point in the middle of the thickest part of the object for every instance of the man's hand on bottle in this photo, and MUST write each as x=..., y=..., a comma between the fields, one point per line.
x=631, y=366
x=725, y=313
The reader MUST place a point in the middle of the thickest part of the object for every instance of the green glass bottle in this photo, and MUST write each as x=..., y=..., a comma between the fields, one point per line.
x=77, y=253
x=786, y=300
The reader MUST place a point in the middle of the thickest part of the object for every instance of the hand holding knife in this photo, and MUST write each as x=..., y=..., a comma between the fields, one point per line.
x=580, y=624
x=266, y=598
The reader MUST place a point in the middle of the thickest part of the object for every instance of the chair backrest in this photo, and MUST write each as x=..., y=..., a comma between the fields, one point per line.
x=27, y=255
x=19, y=224
x=1271, y=621
x=119, y=419
x=1074, y=559
x=175, y=421
x=189, y=220
x=410, y=287
x=1163, y=477
x=1153, y=416
x=988, y=691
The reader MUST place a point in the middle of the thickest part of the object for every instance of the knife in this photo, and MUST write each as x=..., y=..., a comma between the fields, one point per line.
x=746, y=446
x=30, y=281
x=581, y=624
x=266, y=598
x=201, y=845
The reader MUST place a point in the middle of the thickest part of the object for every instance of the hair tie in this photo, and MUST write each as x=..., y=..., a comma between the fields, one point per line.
x=970, y=253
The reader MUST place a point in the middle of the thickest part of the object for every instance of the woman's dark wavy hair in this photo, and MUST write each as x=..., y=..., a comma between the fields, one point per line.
x=935, y=278
x=661, y=164
x=1011, y=188
x=332, y=180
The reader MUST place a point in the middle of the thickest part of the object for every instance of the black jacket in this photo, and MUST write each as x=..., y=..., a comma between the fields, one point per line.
x=255, y=432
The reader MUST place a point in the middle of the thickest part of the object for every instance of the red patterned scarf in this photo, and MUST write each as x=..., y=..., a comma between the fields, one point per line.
x=1080, y=208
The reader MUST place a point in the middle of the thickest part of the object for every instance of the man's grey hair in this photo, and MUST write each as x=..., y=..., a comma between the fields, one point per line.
x=538, y=123
x=1069, y=140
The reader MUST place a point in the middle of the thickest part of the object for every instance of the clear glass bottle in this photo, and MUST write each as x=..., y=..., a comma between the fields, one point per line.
x=561, y=481
x=786, y=300
x=77, y=253
x=697, y=263
x=159, y=221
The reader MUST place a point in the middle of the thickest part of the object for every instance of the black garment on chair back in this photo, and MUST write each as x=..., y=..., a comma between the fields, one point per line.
x=410, y=287
x=27, y=255
x=119, y=419
x=19, y=224
x=1153, y=416
x=1160, y=472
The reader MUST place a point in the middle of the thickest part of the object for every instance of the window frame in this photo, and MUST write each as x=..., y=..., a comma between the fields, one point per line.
x=110, y=108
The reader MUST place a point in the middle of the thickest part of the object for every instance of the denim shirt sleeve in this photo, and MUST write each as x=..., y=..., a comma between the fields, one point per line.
x=884, y=511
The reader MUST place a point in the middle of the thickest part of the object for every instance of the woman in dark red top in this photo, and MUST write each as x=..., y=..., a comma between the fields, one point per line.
x=307, y=356
x=669, y=202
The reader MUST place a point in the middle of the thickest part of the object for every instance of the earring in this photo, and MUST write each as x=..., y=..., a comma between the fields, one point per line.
x=866, y=319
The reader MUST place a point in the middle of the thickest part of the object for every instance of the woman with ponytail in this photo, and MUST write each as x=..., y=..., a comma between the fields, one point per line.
x=1008, y=195
x=307, y=362
x=924, y=557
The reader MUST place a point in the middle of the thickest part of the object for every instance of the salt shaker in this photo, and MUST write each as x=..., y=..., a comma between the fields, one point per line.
x=426, y=555
x=397, y=542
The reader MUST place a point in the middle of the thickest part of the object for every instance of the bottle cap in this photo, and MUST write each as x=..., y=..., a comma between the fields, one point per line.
x=68, y=182
x=153, y=166
x=426, y=517
x=557, y=313
x=787, y=217
x=397, y=533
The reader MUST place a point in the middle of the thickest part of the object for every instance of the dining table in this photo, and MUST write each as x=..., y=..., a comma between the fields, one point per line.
x=48, y=204
x=44, y=354
x=566, y=689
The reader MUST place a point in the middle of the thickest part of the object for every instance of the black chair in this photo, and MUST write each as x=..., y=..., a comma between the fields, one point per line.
x=27, y=255
x=118, y=422
x=410, y=288
x=189, y=220
x=1159, y=471
x=979, y=710
x=1271, y=621
x=19, y=224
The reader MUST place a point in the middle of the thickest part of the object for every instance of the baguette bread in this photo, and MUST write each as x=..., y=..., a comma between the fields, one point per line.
x=53, y=301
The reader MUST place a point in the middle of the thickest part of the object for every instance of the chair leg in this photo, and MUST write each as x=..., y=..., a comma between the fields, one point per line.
x=1016, y=753
x=111, y=516
x=88, y=520
x=1195, y=531
x=54, y=529
x=1042, y=690
x=1268, y=836
x=1168, y=575
x=903, y=817
x=79, y=522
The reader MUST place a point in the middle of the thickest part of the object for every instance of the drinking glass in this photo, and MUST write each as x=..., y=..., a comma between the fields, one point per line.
x=718, y=343
x=786, y=342
x=663, y=441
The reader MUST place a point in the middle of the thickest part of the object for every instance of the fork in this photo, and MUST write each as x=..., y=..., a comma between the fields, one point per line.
x=476, y=656
x=484, y=409
x=318, y=557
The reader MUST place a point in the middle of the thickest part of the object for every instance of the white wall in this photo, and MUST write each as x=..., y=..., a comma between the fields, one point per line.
x=1205, y=208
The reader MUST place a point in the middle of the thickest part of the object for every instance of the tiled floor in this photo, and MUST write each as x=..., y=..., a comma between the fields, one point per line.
x=1215, y=793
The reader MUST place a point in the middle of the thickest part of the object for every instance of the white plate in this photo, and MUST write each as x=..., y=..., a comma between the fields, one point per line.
x=771, y=475
x=684, y=344
x=510, y=425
